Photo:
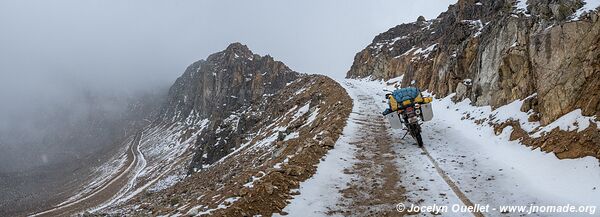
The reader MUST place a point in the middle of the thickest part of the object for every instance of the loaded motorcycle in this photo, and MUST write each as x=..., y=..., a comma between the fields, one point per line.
x=410, y=114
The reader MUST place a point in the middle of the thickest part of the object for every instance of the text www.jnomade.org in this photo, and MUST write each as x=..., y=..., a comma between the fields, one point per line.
x=486, y=208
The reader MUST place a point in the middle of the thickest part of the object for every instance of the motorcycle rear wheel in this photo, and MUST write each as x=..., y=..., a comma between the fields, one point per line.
x=419, y=139
x=415, y=132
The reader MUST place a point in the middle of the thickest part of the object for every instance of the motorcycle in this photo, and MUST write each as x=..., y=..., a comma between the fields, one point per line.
x=411, y=116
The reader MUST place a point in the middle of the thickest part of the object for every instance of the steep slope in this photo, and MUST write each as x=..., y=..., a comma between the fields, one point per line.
x=200, y=122
x=496, y=52
x=218, y=90
x=203, y=119
x=238, y=131
x=278, y=152
x=374, y=171
x=69, y=144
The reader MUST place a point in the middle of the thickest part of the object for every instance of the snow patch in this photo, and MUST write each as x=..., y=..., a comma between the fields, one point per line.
x=250, y=184
x=480, y=161
x=396, y=80
x=321, y=191
x=425, y=52
x=312, y=117
x=521, y=6
x=166, y=182
x=267, y=141
x=278, y=165
x=406, y=53
x=195, y=210
x=292, y=135
x=588, y=6
x=574, y=120
x=301, y=90
x=476, y=24
x=301, y=111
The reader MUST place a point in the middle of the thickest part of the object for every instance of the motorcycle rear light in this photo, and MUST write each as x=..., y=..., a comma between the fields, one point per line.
x=409, y=109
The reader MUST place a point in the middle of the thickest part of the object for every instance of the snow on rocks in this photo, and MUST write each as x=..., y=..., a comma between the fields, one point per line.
x=166, y=182
x=321, y=192
x=303, y=110
x=300, y=91
x=254, y=179
x=511, y=168
x=571, y=121
x=409, y=51
x=475, y=24
x=588, y=6
x=521, y=6
x=161, y=154
x=292, y=135
x=226, y=203
x=425, y=52
x=489, y=168
x=312, y=117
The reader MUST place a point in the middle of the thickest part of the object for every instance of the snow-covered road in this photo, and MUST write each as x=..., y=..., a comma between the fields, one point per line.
x=487, y=169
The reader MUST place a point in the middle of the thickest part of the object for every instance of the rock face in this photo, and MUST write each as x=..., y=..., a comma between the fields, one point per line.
x=494, y=52
x=225, y=81
x=280, y=150
x=219, y=90
x=237, y=132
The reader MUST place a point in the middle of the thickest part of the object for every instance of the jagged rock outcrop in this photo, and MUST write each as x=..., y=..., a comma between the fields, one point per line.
x=280, y=151
x=218, y=91
x=253, y=130
x=225, y=81
x=495, y=52
x=223, y=119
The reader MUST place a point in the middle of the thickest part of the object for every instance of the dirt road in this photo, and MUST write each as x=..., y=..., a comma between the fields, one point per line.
x=463, y=164
x=106, y=191
x=378, y=170
x=378, y=185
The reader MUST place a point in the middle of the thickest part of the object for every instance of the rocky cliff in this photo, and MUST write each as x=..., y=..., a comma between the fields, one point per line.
x=208, y=113
x=495, y=52
x=220, y=90
x=238, y=132
x=225, y=81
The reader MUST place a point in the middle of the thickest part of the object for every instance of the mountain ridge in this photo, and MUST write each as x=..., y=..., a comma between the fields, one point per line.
x=282, y=142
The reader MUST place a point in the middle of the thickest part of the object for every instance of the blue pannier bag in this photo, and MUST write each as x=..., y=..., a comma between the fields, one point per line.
x=407, y=93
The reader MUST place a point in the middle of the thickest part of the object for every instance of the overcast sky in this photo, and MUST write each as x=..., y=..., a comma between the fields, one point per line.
x=135, y=42
x=50, y=50
x=54, y=54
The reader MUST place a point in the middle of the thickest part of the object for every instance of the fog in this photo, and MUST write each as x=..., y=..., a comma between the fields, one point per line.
x=67, y=65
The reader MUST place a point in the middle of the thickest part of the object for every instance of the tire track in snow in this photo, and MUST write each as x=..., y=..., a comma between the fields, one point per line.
x=99, y=195
x=370, y=107
x=125, y=197
x=131, y=183
x=373, y=187
x=463, y=198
